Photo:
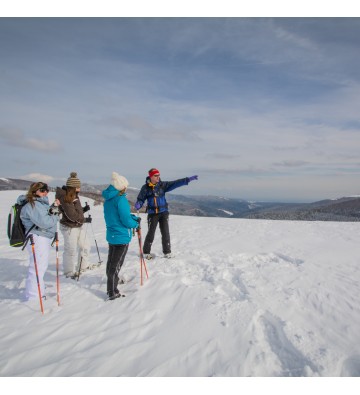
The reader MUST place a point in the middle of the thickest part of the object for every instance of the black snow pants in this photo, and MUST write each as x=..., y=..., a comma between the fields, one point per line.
x=116, y=257
x=153, y=220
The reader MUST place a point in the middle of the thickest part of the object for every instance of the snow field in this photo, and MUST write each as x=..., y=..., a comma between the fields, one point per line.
x=241, y=298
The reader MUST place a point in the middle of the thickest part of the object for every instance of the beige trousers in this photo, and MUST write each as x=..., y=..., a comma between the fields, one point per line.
x=76, y=248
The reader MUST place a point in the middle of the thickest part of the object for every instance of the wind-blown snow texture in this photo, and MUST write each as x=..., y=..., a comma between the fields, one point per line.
x=241, y=298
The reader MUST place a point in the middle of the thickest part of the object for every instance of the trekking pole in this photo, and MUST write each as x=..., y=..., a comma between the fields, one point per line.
x=36, y=271
x=142, y=260
x=97, y=249
x=79, y=271
x=57, y=268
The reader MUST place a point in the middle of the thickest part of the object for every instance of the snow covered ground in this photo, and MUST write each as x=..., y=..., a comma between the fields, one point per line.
x=241, y=298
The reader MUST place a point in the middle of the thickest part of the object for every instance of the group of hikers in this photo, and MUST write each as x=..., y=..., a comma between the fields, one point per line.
x=41, y=219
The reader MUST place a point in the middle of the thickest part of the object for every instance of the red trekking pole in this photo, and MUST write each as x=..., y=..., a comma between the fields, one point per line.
x=36, y=271
x=57, y=269
x=142, y=260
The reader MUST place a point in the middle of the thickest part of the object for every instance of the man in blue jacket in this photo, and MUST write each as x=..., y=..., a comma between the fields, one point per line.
x=157, y=208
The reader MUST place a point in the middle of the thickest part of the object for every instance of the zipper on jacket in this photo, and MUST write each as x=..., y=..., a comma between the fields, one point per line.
x=156, y=206
x=155, y=201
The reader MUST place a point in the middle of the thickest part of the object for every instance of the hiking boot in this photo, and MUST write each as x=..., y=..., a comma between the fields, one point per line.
x=113, y=296
x=149, y=256
x=168, y=255
x=74, y=276
x=90, y=266
x=69, y=274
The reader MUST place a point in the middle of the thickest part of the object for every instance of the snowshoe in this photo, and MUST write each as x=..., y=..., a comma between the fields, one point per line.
x=114, y=296
x=72, y=275
x=93, y=266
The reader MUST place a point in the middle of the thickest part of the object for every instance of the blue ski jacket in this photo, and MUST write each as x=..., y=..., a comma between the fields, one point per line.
x=118, y=218
x=45, y=223
x=155, y=194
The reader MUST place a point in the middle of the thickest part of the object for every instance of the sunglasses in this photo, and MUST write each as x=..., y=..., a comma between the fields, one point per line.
x=44, y=188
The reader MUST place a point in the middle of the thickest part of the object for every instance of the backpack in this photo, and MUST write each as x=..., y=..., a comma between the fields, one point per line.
x=16, y=230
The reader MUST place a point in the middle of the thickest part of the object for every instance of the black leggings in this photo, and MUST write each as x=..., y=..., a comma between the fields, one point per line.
x=153, y=220
x=116, y=257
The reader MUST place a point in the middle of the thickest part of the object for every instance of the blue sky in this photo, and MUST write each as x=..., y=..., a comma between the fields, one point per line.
x=259, y=108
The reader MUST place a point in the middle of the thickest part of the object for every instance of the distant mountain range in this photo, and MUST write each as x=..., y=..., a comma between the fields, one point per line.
x=343, y=209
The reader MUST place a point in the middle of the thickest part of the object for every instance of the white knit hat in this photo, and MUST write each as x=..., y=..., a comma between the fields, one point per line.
x=119, y=182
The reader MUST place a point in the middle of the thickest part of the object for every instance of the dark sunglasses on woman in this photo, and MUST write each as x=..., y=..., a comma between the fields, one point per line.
x=44, y=188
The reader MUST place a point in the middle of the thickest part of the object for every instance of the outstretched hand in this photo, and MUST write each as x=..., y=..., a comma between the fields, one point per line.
x=192, y=178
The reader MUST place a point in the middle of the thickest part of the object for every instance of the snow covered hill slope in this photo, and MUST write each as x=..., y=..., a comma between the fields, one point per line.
x=240, y=298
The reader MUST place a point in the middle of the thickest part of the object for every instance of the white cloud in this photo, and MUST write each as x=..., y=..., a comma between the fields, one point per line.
x=38, y=177
x=17, y=138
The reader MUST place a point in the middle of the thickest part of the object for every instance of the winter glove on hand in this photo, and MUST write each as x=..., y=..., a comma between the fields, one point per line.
x=54, y=210
x=137, y=206
x=192, y=178
x=86, y=208
x=88, y=220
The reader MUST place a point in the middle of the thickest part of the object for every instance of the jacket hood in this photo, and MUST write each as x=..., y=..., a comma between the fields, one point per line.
x=110, y=192
x=21, y=199
x=60, y=192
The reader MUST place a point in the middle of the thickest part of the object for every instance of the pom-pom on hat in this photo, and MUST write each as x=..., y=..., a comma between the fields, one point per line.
x=73, y=181
x=152, y=172
x=119, y=182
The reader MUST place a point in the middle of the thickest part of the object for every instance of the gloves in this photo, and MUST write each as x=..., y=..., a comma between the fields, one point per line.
x=88, y=220
x=137, y=206
x=54, y=210
x=192, y=178
x=86, y=208
x=137, y=219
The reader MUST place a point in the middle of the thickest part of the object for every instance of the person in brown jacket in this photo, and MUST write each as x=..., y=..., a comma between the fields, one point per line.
x=76, y=240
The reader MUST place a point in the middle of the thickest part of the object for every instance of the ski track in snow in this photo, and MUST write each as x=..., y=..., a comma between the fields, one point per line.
x=240, y=298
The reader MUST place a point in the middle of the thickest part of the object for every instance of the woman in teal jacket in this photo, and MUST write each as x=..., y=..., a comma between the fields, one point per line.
x=119, y=224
